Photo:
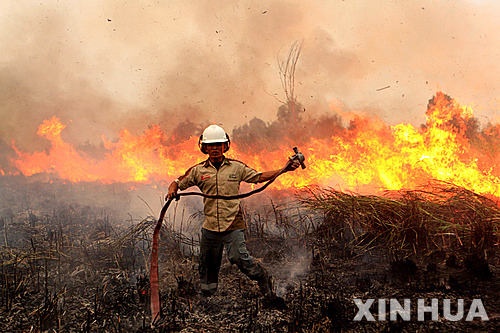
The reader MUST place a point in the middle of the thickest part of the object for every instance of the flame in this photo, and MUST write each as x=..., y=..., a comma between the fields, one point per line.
x=130, y=159
x=367, y=155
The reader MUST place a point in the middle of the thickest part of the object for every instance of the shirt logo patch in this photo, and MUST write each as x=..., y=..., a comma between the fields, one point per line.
x=232, y=176
x=205, y=177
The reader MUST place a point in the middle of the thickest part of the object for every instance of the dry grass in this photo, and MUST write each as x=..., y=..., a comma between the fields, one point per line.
x=439, y=216
x=76, y=270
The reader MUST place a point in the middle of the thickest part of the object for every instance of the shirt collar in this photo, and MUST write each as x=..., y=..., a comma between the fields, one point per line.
x=226, y=161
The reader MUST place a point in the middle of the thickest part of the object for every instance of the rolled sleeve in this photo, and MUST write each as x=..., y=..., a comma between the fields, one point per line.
x=249, y=175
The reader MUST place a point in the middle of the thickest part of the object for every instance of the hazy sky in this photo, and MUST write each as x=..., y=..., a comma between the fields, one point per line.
x=104, y=65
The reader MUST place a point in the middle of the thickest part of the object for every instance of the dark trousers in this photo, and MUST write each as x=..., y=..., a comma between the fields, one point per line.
x=211, y=248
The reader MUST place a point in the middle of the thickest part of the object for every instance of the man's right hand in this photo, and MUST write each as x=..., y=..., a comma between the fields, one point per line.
x=172, y=191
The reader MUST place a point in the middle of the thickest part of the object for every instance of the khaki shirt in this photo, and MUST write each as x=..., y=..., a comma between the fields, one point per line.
x=220, y=215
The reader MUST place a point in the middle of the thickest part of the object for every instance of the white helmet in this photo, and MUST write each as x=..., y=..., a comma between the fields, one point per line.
x=214, y=134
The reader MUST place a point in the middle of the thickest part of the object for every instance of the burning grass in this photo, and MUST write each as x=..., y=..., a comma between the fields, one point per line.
x=366, y=153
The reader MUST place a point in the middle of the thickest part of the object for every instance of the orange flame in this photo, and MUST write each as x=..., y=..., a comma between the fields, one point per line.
x=368, y=155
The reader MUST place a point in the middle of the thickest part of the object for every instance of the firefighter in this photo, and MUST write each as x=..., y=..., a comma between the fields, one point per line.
x=224, y=225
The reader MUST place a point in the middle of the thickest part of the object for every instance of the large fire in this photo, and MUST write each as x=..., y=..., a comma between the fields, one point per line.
x=366, y=155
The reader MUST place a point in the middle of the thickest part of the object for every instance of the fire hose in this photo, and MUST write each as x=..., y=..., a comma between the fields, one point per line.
x=155, y=292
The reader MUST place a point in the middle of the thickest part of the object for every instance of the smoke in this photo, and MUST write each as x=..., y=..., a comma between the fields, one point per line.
x=101, y=66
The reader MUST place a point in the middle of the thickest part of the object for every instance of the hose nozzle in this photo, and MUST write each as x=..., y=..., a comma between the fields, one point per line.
x=299, y=157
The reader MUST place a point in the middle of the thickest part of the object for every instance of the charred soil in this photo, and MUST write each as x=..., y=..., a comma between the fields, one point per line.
x=73, y=271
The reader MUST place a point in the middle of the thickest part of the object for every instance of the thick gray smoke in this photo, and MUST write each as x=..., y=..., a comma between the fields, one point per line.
x=101, y=66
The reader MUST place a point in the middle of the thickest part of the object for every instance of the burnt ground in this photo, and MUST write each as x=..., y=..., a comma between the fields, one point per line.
x=318, y=282
x=71, y=269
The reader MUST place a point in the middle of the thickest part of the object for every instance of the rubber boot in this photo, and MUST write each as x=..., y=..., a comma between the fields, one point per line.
x=266, y=285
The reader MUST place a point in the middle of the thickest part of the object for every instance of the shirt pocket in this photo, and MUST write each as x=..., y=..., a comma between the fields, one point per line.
x=232, y=177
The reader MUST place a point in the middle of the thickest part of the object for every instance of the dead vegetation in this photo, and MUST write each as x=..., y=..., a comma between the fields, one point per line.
x=75, y=270
x=437, y=217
